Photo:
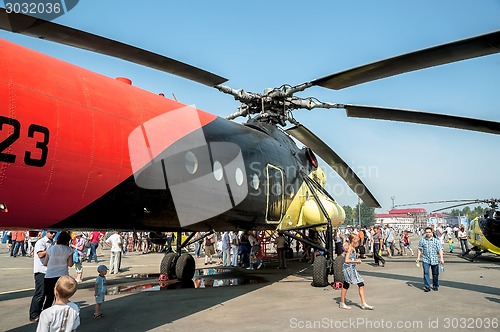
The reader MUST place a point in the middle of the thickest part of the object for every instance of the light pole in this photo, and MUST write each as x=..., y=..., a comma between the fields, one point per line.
x=359, y=211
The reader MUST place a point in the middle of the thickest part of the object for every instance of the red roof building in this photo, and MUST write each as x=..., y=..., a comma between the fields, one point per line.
x=403, y=218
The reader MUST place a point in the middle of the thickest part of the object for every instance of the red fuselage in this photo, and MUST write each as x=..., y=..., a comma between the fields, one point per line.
x=66, y=136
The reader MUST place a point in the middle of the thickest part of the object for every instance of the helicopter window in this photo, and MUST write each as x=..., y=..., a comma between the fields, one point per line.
x=276, y=189
x=218, y=171
x=191, y=162
x=239, y=176
x=255, y=182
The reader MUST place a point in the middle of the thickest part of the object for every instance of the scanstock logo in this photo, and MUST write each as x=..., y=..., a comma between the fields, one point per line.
x=43, y=9
x=171, y=151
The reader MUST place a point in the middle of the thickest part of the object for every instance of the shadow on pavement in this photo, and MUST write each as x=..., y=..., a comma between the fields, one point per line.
x=143, y=311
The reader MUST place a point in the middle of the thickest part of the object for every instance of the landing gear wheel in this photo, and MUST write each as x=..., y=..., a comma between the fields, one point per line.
x=166, y=266
x=320, y=275
x=185, y=267
x=338, y=275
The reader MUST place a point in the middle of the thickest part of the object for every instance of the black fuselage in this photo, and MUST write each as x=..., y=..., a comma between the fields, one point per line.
x=258, y=193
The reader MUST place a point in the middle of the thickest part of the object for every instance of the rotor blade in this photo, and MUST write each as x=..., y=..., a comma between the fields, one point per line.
x=438, y=55
x=331, y=158
x=436, y=202
x=491, y=201
x=442, y=120
x=38, y=28
x=454, y=206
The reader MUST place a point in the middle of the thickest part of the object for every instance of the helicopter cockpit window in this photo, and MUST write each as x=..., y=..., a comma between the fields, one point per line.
x=277, y=189
x=255, y=182
x=191, y=162
x=239, y=176
x=218, y=171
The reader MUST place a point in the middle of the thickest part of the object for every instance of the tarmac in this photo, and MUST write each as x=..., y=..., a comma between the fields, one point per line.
x=273, y=300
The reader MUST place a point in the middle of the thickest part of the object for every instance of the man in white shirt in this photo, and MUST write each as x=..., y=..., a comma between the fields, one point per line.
x=39, y=271
x=226, y=249
x=115, y=242
x=235, y=245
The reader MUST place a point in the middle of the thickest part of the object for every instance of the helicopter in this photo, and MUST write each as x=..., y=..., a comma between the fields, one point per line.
x=84, y=151
x=483, y=231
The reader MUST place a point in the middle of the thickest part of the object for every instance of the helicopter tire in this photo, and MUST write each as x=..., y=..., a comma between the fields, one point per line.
x=185, y=267
x=167, y=266
x=320, y=275
x=338, y=275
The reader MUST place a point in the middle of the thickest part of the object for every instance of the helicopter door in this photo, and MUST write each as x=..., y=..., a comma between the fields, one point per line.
x=274, y=193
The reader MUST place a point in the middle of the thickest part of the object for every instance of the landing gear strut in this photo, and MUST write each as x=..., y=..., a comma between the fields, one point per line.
x=478, y=252
x=327, y=264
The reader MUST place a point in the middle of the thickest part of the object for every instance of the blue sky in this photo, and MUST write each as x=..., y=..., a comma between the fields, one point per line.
x=260, y=44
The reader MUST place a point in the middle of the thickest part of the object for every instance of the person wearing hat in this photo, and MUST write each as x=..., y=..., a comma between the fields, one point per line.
x=100, y=289
x=79, y=246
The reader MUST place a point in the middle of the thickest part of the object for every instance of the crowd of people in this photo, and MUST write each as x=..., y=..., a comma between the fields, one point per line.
x=376, y=240
x=354, y=242
x=55, y=252
x=230, y=248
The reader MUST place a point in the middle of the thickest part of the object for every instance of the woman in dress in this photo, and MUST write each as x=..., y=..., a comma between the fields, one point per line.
x=351, y=275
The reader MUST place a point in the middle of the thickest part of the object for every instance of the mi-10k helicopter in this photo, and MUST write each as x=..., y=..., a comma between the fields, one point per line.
x=82, y=151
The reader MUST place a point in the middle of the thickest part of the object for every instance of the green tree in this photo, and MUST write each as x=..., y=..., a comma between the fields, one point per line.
x=477, y=212
x=367, y=215
x=349, y=214
x=466, y=210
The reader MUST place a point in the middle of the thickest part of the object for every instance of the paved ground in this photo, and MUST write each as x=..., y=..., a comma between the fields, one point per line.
x=469, y=299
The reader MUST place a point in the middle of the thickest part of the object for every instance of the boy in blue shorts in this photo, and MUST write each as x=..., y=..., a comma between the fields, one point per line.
x=100, y=289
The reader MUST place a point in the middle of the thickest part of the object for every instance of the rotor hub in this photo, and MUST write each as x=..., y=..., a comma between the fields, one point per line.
x=275, y=105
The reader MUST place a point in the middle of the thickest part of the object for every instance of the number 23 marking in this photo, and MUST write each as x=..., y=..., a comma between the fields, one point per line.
x=32, y=129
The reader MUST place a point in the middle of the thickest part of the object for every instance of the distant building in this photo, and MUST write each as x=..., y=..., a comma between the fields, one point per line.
x=403, y=218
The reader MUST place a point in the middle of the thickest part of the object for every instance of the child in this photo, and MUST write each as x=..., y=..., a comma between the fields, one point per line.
x=407, y=242
x=63, y=315
x=451, y=245
x=100, y=289
x=351, y=275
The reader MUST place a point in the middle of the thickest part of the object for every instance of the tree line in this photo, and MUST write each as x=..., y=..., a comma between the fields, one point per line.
x=361, y=212
x=478, y=211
